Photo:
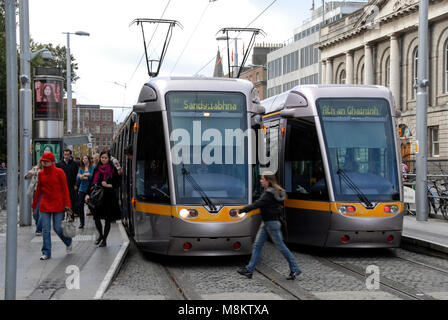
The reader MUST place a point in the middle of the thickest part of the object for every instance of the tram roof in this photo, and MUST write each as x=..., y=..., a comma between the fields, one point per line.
x=313, y=92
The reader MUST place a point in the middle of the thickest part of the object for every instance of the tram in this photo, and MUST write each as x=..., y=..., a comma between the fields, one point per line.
x=186, y=166
x=338, y=161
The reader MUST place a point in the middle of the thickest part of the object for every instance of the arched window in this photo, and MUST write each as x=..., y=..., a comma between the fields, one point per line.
x=414, y=71
x=446, y=67
x=342, y=77
x=257, y=77
x=387, y=73
x=361, y=76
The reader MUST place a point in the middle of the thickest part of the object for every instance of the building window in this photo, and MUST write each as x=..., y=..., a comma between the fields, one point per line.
x=387, y=73
x=257, y=77
x=434, y=140
x=446, y=67
x=414, y=71
x=342, y=77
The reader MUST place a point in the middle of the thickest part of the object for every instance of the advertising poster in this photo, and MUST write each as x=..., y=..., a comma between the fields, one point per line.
x=48, y=99
x=41, y=146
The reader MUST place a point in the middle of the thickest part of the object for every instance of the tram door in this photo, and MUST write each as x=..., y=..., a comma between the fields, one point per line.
x=307, y=207
x=130, y=140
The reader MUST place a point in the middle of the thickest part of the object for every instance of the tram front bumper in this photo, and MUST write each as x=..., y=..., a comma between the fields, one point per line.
x=210, y=246
x=363, y=239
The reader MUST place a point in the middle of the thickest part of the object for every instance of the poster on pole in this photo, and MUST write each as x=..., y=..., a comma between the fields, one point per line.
x=47, y=145
x=48, y=98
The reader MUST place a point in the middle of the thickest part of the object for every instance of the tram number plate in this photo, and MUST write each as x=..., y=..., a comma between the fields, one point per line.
x=409, y=195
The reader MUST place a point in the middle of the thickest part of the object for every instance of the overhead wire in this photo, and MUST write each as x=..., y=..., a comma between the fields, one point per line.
x=258, y=16
x=189, y=39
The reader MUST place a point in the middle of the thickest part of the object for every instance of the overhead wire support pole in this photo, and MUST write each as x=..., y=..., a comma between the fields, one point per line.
x=422, y=102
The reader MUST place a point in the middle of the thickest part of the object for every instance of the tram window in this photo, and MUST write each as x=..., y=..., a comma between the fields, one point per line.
x=152, y=170
x=304, y=172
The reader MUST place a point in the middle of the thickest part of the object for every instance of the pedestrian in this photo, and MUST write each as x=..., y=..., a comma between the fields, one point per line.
x=106, y=176
x=270, y=204
x=55, y=202
x=117, y=165
x=95, y=160
x=83, y=180
x=70, y=168
x=33, y=174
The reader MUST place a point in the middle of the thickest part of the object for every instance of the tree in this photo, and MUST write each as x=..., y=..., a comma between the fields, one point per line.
x=59, y=59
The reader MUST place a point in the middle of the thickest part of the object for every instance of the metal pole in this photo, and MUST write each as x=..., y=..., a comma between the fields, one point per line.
x=12, y=150
x=69, y=87
x=25, y=113
x=422, y=97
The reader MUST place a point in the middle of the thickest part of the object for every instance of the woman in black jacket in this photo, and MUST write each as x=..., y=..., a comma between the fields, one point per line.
x=270, y=204
x=106, y=176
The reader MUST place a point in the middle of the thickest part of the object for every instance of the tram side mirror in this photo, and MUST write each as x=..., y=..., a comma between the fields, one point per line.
x=258, y=109
x=295, y=100
x=147, y=94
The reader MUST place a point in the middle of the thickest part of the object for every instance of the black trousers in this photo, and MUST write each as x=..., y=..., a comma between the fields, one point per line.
x=80, y=207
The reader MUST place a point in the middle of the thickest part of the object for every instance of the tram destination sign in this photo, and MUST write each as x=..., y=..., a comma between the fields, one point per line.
x=353, y=108
x=205, y=102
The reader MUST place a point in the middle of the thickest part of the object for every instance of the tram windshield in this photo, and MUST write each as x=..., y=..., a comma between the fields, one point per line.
x=208, y=147
x=360, y=145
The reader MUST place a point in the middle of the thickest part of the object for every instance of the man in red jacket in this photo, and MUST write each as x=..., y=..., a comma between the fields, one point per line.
x=52, y=185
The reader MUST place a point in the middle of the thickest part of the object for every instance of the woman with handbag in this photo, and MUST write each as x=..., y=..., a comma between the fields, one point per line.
x=33, y=175
x=101, y=196
x=270, y=205
x=55, y=201
x=83, y=180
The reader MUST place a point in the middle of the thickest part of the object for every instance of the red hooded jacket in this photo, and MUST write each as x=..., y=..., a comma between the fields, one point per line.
x=52, y=186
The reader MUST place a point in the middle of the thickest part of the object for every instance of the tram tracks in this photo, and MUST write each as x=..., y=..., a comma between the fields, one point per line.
x=387, y=285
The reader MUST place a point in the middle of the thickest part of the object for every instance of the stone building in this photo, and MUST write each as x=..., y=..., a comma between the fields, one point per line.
x=378, y=44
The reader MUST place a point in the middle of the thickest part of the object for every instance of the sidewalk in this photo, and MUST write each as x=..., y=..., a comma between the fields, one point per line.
x=431, y=234
x=44, y=280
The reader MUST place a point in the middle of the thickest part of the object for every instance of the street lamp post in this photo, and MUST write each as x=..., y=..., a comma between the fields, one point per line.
x=69, y=80
x=26, y=56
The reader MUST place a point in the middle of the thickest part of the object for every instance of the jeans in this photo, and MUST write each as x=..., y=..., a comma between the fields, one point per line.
x=273, y=229
x=37, y=219
x=46, y=217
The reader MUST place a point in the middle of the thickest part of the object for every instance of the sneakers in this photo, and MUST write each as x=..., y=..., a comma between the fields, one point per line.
x=293, y=275
x=38, y=234
x=44, y=257
x=69, y=249
x=245, y=272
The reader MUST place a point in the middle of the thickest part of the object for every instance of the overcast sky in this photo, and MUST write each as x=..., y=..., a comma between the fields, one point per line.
x=109, y=59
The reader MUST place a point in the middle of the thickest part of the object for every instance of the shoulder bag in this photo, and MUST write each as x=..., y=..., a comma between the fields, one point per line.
x=68, y=225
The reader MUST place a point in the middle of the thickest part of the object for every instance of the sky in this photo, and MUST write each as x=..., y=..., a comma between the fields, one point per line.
x=108, y=60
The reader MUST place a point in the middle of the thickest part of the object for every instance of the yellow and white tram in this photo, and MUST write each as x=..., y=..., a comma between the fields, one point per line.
x=338, y=161
x=190, y=166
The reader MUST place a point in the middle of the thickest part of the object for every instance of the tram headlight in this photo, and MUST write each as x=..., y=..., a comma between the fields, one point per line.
x=236, y=214
x=391, y=209
x=188, y=213
x=347, y=209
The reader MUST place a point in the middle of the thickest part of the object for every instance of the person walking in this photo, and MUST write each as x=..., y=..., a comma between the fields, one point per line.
x=270, y=204
x=33, y=175
x=83, y=180
x=105, y=175
x=55, y=201
x=70, y=168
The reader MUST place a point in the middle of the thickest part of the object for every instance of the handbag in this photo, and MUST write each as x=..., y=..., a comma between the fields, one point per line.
x=33, y=185
x=68, y=225
x=96, y=197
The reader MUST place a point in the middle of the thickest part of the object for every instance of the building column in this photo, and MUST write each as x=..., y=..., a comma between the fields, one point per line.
x=395, y=70
x=368, y=64
x=349, y=67
x=324, y=72
x=329, y=77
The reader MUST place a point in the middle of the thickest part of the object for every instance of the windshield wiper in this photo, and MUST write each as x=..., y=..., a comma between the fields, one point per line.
x=198, y=188
x=355, y=188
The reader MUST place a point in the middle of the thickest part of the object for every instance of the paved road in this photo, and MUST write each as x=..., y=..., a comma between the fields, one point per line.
x=327, y=274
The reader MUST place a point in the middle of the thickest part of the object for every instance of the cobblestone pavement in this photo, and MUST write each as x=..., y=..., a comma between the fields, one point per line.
x=154, y=277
